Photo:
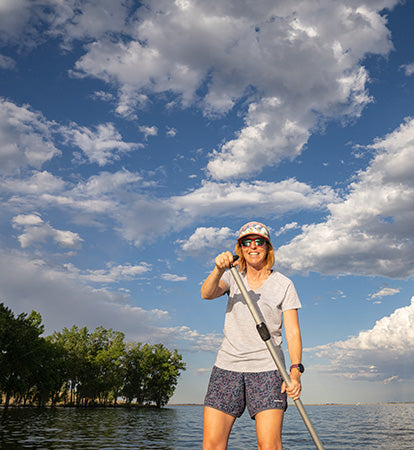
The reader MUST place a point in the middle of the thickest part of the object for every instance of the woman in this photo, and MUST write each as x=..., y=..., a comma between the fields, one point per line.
x=244, y=373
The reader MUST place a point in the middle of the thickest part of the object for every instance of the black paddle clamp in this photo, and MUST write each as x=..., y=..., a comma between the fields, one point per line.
x=235, y=258
x=263, y=331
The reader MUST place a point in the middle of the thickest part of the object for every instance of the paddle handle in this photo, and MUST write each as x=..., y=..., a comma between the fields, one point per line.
x=265, y=335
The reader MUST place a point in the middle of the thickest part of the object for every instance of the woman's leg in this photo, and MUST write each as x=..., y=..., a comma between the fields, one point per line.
x=217, y=427
x=269, y=429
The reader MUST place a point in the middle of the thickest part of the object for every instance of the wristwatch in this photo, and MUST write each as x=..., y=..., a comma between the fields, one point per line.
x=299, y=366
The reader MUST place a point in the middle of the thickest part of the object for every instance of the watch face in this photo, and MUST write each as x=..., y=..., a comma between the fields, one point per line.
x=299, y=366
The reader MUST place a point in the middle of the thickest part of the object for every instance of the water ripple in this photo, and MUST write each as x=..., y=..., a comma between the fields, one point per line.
x=345, y=427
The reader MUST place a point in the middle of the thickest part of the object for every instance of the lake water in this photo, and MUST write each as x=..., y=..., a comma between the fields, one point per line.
x=365, y=427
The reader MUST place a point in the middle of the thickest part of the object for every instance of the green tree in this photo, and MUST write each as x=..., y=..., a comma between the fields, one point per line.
x=75, y=342
x=162, y=371
x=107, y=351
x=49, y=374
x=94, y=363
x=20, y=350
x=135, y=371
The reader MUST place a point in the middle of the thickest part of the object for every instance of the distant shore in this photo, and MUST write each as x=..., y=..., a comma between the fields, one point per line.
x=135, y=406
x=315, y=404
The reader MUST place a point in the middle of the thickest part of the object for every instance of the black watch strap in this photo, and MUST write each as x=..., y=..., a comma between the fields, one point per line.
x=299, y=366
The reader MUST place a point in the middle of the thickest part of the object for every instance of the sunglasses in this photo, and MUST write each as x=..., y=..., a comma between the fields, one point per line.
x=260, y=242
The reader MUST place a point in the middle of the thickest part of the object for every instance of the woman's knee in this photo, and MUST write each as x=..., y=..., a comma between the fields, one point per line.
x=276, y=444
x=214, y=444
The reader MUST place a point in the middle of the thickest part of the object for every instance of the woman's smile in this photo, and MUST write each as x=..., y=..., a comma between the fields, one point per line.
x=254, y=253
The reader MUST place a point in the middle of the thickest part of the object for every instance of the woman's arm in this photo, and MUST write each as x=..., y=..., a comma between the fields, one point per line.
x=294, y=342
x=213, y=287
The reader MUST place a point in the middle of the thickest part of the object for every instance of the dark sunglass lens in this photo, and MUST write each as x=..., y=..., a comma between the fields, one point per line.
x=260, y=242
x=246, y=242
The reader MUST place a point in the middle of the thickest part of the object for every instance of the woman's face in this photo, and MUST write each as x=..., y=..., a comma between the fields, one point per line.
x=255, y=255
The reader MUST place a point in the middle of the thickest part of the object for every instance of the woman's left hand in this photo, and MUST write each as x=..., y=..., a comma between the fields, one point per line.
x=295, y=387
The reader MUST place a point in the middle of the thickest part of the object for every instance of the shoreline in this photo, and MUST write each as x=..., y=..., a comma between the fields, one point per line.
x=133, y=406
x=315, y=404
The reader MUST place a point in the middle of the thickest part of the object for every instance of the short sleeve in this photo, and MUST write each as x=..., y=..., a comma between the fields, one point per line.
x=227, y=279
x=291, y=298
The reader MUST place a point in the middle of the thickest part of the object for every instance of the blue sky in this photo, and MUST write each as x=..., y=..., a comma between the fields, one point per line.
x=137, y=137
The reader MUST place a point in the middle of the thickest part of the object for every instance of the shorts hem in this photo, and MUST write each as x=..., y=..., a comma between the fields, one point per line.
x=223, y=411
x=281, y=408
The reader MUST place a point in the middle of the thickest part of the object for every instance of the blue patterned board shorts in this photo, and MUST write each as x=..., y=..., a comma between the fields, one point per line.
x=231, y=392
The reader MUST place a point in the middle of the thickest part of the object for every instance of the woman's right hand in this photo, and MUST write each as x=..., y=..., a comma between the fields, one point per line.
x=224, y=261
x=213, y=286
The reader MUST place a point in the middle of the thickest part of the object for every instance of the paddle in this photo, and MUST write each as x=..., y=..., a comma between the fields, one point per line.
x=265, y=335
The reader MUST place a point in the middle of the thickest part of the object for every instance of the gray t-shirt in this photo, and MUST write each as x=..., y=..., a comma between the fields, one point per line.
x=242, y=349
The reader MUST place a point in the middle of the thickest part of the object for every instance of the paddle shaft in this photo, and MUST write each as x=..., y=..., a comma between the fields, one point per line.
x=265, y=335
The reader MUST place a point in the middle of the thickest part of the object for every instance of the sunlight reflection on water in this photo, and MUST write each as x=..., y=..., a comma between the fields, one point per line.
x=180, y=427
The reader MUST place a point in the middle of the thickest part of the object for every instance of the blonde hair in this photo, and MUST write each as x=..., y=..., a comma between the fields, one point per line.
x=270, y=257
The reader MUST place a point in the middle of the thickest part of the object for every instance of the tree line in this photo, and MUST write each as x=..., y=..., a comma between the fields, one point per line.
x=81, y=368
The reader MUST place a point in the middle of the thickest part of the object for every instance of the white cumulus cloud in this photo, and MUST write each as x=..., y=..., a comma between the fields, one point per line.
x=101, y=146
x=294, y=63
x=36, y=231
x=382, y=353
x=235, y=198
x=26, y=138
x=385, y=292
x=172, y=277
x=6, y=62
x=370, y=232
x=205, y=242
x=408, y=69
x=148, y=131
x=112, y=274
